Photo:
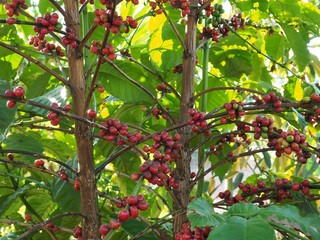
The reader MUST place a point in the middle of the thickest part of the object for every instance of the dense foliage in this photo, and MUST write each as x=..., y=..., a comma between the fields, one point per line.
x=159, y=119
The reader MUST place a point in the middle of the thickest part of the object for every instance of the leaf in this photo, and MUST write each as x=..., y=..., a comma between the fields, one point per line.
x=275, y=44
x=302, y=121
x=242, y=209
x=201, y=213
x=24, y=142
x=134, y=227
x=289, y=216
x=238, y=179
x=57, y=95
x=243, y=229
x=7, y=115
x=12, y=197
x=266, y=158
x=63, y=192
x=120, y=87
x=298, y=45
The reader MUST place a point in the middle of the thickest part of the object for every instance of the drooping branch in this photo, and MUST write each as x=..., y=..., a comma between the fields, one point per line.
x=38, y=63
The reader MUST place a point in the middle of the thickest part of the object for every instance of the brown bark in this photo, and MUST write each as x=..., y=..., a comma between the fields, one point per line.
x=83, y=135
x=182, y=172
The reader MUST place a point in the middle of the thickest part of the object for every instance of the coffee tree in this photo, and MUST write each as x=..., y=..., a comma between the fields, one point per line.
x=178, y=119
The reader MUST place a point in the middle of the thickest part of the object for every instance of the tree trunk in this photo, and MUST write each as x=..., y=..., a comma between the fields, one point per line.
x=83, y=132
x=182, y=172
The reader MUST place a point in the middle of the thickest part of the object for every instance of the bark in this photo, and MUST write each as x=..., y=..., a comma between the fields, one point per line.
x=182, y=172
x=83, y=132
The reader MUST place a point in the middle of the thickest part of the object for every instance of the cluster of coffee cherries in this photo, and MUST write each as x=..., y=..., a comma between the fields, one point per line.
x=83, y=1
x=45, y=47
x=156, y=172
x=198, y=121
x=170, y=146
x=18, y=92
x=76, y=185
x=106, y=51
x=134, y=205
x=181, y=4
x=63, y=175
x=289, y=142
x=163, y=88
x=178, y=69
x=115, y=131
x=13, y=8
x=39, y=163
x=52, y=227
x=281, y=189
x=77, y=232
x=154, y=6
x=46, y=24
x=156, y=112
x=196, y=234
x=69, y=38
x=53, y=116
x=114, y=22
x=234, y=109
x=270, y=98
x=314, y=116
x=262, y=126
x=126, y=53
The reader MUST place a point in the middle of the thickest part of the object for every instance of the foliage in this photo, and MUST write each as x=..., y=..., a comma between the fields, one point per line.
x=252, y=119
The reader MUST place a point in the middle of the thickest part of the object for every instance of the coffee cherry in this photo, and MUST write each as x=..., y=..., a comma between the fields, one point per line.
x=134, y=211
x=104, y=229
x=123, y=215
x=38, y=163
x=11, y=104
x=115, y=224
x=28, y=218
x=91, y=113
x=296, y=187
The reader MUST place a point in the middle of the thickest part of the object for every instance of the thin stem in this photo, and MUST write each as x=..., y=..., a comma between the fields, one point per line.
x=44, y=223
x=259, y=51
x=37, y=155
x=203, y=108
x=57, y=6
x=174, y=29
x=38, y=63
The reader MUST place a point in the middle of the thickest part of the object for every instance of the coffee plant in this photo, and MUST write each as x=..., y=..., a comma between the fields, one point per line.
x=143, y=119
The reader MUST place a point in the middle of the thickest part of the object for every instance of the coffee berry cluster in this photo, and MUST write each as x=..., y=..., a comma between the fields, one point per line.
x=53, y=116
x=111, y=20
x=13, y=8
x=280, y=190
x=234, y=109
x=181, y=4
x=270, y=99
x=115, y=131
x=77, y=232
x=156, y=112
x=197, y=233
x=198, y=122
x=106, y=51
x=18, y=92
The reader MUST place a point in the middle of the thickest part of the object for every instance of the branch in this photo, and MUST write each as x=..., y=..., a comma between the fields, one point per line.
x=37, y=155
x=43, y=224
x=38, y=63
x=57, y=6
x=259, y=51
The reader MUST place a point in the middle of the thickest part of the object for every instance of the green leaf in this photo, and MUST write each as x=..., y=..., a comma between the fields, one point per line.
x=289, y=216
x=276, y=44
x=24, y=142
x=201, y=213
x=134, y=227
x=301, y=119
x=242, y=209
x=7, y=115
x=266, y=158
x=298, y=45
x=12, y=197
x=119, y=86
x=243, y=229
x=57, y=95
x=63, y=192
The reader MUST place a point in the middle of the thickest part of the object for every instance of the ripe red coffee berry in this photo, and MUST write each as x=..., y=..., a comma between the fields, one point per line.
x=92, y=113
x=28, y=218
x=38, y=163
x=11, y=104
x=115, y=224
x=18, y=91
x=104, y=229
x=134, y=211
x=123, y=215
